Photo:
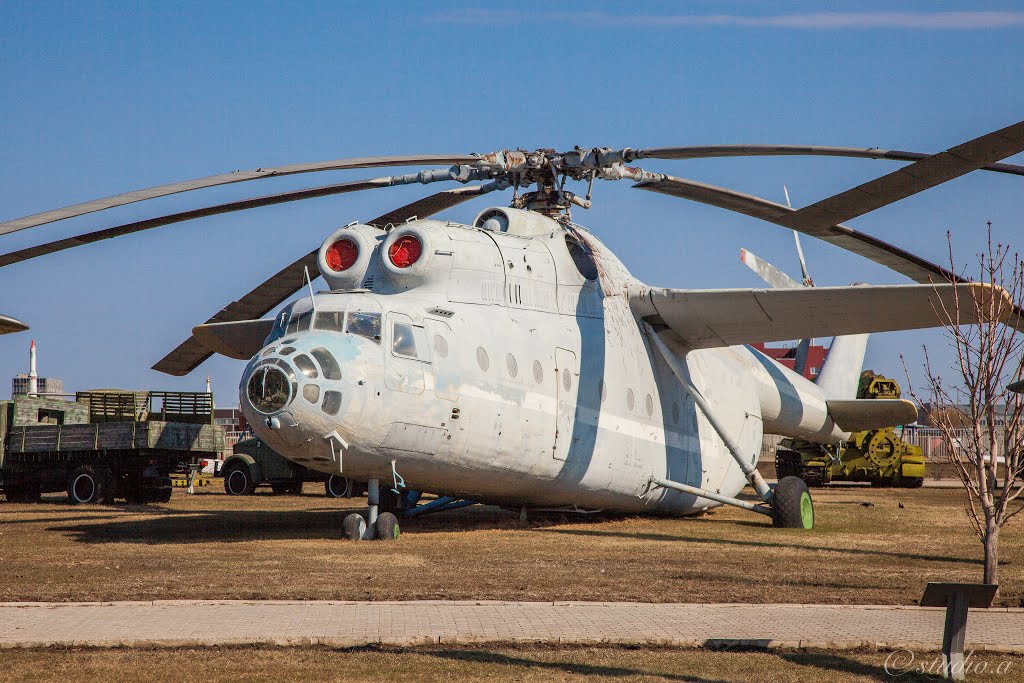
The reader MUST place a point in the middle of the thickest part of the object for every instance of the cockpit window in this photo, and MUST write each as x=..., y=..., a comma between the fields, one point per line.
x=332, y=321
x=327, y=363
x=299, y=322
x=332, y=402
x=305, y=366
x=403, y=343
x=365, y=325
x=269, y=389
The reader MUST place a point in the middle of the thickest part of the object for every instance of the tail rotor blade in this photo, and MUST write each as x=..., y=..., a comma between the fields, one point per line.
x=767, y=272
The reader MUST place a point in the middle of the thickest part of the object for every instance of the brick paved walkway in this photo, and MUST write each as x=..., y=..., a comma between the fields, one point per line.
x=340, y=624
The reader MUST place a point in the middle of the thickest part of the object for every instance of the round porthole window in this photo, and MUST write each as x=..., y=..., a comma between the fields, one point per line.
x=512, y=365
x=482, y=359
x=675, y=412
x=538, y=372
x=440, y=346
x=649, y=405
x=567, y=379
x=629, y=399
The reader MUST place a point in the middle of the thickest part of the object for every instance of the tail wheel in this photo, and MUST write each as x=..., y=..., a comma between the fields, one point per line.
x=792, y=507
x=87, y=484
x=337, y=486
x=238, y=481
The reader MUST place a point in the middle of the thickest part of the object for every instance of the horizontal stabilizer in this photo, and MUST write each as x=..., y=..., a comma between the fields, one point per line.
x=858, y=415
x=725, y=317
x=241, y=340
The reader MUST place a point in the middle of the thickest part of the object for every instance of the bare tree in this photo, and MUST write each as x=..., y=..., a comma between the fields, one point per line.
x=979, y=420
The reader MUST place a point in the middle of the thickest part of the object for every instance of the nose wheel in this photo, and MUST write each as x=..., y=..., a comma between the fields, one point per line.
x=383, y=526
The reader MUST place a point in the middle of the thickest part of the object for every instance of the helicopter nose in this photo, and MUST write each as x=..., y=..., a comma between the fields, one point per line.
x=299, y=392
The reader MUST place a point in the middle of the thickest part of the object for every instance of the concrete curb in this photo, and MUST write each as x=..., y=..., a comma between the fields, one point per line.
x=349, y=624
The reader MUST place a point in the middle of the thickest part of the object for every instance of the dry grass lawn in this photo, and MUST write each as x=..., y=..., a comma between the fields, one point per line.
x=522, y=664
x=210, y=545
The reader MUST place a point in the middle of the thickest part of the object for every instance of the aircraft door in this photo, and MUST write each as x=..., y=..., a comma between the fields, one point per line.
x=446, y=373
x=566, y=381
x=409, y=353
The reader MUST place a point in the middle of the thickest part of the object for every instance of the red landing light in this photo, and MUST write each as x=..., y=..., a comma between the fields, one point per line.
x=342, y=254
x=405, y=251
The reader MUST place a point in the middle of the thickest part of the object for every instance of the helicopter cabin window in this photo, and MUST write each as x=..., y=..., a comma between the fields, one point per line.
x=305, y=366
x=288, y=350
x=364, y=325
x=327, y=363
x=332, y=321
x=582, y=257
x=299, y=322
x=311, y=393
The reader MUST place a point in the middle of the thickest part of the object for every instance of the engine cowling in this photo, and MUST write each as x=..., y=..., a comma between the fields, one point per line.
x=345, y=255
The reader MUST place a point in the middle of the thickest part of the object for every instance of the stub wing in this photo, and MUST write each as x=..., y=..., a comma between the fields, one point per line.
x=240, y=340
x=725, y=317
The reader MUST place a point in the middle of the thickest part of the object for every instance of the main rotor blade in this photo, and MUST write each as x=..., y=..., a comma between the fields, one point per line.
x=914, y=267
x=283, y=284
x=149, y=223
x=9, y=325
x=226, y=179
x=910, y=180
x=718, y=151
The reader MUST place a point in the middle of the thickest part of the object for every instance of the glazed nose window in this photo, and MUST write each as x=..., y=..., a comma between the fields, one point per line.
x=268, y=389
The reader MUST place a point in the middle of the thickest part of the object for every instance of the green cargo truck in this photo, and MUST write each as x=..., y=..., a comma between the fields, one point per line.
x=104, y=445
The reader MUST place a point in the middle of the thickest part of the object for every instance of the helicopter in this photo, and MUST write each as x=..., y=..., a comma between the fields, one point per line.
x=516, y=361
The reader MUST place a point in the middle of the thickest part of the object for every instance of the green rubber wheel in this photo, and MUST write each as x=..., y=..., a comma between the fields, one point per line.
x=792, y=506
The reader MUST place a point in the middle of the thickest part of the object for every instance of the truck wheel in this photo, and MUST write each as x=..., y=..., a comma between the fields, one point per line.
x=87, y=485
x=338, y=486
x=237, y=481
x=164, y=492
x=792, y=507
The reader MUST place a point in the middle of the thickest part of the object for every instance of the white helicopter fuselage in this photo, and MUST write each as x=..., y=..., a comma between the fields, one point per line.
x=498, y=371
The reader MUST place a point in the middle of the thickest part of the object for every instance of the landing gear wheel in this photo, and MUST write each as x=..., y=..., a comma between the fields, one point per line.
x=792, y=507
x=355, y=527
x=386, y=527
x=338, y=486
x=87, y=485
x=238, y=482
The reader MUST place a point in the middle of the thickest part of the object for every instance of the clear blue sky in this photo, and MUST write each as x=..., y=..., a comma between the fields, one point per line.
x=101, y=98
